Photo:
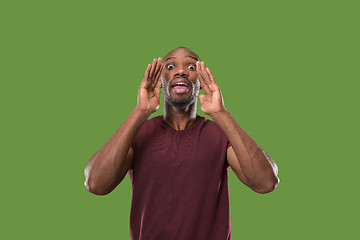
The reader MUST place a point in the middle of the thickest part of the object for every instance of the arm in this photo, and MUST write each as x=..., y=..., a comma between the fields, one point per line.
x=252, y=165
x=257, y=168
x=108, y=167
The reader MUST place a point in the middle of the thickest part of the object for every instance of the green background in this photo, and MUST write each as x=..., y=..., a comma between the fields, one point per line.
x=288, y=72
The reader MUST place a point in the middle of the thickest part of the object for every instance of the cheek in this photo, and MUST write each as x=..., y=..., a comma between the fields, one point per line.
x=194, y=78
x=164, y=76
x=164, y=82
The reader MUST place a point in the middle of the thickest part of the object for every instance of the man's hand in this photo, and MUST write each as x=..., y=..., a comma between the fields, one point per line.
x=212, y=102
x=148, y=94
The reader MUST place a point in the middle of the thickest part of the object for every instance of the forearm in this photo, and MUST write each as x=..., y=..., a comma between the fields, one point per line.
x=104, y=169
x=258, y=167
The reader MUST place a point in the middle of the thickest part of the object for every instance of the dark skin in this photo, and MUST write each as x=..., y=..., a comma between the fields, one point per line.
x=251, y=164
x=180, y=64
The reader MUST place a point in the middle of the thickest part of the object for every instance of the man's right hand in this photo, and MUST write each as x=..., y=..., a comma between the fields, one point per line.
x=148, y=95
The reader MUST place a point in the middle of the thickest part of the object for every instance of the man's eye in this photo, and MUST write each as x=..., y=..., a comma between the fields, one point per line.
x=192, y=67
x=170, y=66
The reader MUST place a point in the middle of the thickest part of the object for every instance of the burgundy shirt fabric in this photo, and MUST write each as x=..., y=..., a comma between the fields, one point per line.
x=179, y=182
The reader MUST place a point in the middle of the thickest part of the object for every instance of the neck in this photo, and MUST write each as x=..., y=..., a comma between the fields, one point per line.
x=179, y=119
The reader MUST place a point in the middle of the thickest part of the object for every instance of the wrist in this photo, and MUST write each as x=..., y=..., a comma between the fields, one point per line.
x=142, y=113
x=219, y=114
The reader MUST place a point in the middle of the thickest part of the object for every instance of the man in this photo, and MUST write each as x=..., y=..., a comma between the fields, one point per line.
x=178, y=163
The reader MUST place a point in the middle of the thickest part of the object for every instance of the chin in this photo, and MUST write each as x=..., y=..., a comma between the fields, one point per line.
x=181, y=103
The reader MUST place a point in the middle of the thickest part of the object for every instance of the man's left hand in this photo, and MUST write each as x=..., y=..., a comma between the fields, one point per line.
x=212, y=102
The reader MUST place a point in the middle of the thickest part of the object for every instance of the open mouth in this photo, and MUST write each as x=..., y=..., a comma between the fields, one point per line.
x=181, y=86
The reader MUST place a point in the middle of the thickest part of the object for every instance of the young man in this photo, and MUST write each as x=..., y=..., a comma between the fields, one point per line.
x=178, y=163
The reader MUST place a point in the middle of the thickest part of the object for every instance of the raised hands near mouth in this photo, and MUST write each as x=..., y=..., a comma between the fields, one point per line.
x=212, y=102
x=148, y=95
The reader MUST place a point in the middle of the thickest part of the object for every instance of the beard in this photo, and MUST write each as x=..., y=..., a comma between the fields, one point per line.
x=184, y=102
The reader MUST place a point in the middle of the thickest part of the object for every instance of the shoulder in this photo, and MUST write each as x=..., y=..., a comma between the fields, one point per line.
x=152, y=122
x=210, y=125
x=147, y=131
x=213, y=131
x=150, y=125
x=210, y=129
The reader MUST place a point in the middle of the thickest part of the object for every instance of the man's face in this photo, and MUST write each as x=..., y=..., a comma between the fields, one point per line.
x=179, y=78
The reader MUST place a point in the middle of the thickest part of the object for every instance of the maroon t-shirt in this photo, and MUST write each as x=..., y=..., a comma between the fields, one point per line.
x=179, y=182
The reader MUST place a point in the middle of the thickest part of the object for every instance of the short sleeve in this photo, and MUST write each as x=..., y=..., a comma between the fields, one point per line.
x=133, y=144
x=228, y=144
x=133, y=148
x=226, y=160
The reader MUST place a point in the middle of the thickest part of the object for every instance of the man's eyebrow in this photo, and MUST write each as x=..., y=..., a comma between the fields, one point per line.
x=193, y=57
x=185, y=56
x=169, y=58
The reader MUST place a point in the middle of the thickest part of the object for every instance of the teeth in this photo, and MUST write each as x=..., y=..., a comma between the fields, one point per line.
x=181, y=84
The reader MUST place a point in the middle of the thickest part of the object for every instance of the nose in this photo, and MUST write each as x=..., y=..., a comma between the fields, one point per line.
x=181, y=72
